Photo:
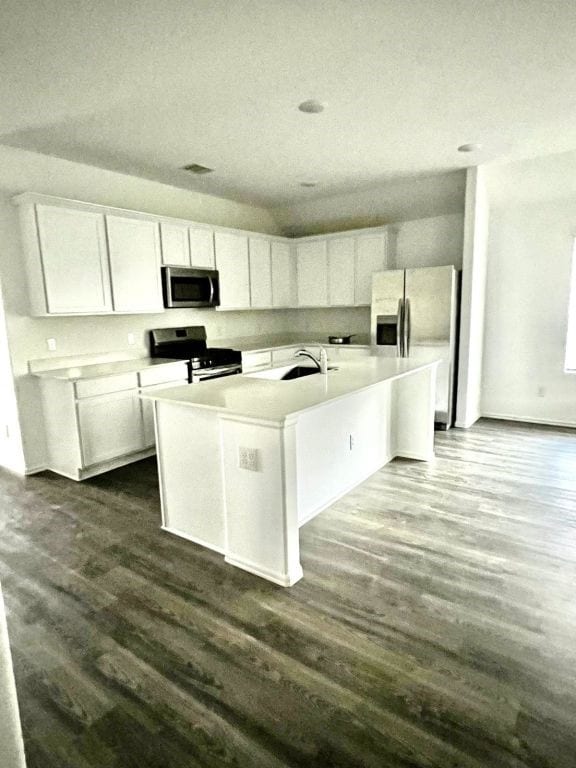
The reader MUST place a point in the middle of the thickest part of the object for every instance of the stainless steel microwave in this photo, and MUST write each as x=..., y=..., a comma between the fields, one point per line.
x=183, y=287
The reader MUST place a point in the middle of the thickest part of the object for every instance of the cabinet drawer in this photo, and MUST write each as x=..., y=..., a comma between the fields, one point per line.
x=253, y=361
x=106, y=384
x=163, y=374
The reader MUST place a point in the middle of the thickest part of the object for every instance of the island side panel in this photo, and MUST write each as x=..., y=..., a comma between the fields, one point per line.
x=261, y=501
x=413, y=408
x=340, y=445
x=190, y=471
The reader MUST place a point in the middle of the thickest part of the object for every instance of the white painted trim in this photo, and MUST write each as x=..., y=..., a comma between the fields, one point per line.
x=33, y=470
x=274, y=576
x=194, y=539
x=529, y=420
x=472, y=419
x=415, y=456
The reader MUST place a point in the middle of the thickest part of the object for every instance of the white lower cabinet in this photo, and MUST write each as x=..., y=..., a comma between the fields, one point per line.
x=97, y=424
x=110, y=426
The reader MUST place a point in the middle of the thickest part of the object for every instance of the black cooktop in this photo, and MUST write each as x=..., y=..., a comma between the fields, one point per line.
x=189, y=343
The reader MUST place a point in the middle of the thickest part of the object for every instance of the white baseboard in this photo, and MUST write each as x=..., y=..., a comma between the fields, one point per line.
x=33, y=470
x=529, y=420
x=194, y=539
x=283, y=580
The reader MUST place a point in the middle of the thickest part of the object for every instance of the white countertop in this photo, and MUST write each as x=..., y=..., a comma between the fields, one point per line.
x=97, y=370
x=271, y=400
x=264, y=342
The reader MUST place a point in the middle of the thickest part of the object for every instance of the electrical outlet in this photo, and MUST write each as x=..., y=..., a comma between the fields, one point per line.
x=51, y=344
x=248, y=458
x=131, y=339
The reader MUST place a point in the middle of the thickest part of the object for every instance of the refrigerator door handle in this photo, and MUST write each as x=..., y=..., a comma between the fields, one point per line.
x=400, y=329
x=407, y=328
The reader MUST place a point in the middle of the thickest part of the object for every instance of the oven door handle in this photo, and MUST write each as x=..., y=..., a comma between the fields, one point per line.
x=220, y=375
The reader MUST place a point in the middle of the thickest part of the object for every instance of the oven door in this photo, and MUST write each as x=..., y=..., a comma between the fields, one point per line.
x=215, y=373
x=190, y=287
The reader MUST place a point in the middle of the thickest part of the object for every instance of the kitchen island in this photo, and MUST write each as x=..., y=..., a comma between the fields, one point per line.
x=244, y=461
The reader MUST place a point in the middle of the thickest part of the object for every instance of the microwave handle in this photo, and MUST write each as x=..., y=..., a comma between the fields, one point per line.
x=211, y=290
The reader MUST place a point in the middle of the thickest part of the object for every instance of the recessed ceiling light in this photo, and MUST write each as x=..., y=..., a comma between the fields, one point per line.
x=311, y=107
x=469, y=147
x=308, y=183
x=198, y=169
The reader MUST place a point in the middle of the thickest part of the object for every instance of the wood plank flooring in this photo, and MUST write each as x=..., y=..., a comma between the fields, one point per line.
x=435, y=624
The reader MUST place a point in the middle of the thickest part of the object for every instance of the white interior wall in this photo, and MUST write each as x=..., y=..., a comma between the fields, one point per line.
x=431, y=242
x=393, y=201
x=11, y=453
x=532, y=229
x=472, y=305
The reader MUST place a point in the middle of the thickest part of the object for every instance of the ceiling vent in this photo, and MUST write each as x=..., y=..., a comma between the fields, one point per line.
x=198, y=169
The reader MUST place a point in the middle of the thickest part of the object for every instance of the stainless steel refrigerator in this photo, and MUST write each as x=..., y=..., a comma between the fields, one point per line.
x=415, y=314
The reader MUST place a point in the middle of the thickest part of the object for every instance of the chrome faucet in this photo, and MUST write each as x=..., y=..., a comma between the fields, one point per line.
x=322, y=361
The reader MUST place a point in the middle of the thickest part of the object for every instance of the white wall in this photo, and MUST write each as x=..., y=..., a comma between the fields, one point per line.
x=393, y=201
x=27, y=171
x=532, y=228
x=430, y=242
x=473, y=295
x=11, y=453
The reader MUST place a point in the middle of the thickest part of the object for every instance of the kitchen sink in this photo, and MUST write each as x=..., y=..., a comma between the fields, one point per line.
x=298, y=371
x=287, y=372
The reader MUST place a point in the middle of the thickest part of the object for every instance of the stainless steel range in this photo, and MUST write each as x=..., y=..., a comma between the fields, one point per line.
x=189, y=343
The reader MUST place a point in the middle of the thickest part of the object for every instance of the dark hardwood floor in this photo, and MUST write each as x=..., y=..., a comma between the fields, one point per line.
x=435, y=624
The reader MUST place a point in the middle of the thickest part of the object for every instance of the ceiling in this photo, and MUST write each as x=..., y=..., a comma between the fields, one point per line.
x=145, y=87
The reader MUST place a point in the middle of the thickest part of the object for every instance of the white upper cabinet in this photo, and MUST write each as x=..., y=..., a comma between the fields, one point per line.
x=175, y=245
x=283, y=275
x=260, y=273
x=371, y=256
x=312, y=269
x=341, y=254
x=134, y=250
x=187, y=246
x=233, y=265
x=73, y=261
x=201, y=242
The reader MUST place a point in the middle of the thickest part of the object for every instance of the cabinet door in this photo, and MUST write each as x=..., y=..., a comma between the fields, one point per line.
x=312, y=269
x=371, y=255
x=201, y=247
x=135, y=264
x=110, y=426
x=283, y=275
x=341, y=252
x=232, y=264
x=260, y=272
x=175, y=248
x=74, y=260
